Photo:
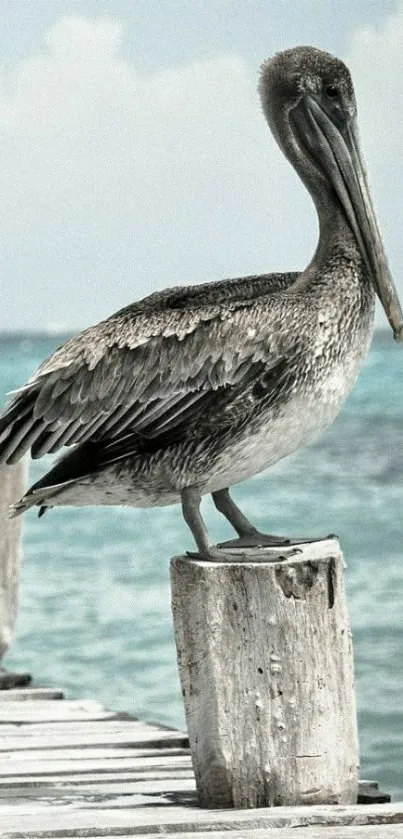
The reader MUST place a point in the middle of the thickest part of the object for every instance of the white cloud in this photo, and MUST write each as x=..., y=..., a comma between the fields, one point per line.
x=83, y=39
x=77, y=81
x=119, y=183
x=375, y=58
x=116, y=183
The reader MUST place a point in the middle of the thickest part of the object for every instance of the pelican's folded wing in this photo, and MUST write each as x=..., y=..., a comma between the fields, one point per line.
x=142, y=372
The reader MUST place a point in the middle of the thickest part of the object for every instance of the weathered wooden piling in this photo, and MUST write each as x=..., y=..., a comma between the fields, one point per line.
x=12, y=486
x=266, y=667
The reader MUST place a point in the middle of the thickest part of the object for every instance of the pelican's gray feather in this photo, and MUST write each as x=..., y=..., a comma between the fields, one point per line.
x=192, y=390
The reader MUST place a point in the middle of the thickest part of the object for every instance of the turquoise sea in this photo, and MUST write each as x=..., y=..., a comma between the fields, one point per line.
x=95, y=600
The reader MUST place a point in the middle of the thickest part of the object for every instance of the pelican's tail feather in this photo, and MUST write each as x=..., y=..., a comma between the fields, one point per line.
x=38, y=496
x=66, y=471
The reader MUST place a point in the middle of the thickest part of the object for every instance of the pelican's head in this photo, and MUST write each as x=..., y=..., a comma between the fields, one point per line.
x=309, y=102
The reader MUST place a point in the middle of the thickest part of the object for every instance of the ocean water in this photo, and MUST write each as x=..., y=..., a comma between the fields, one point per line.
x=94, y=595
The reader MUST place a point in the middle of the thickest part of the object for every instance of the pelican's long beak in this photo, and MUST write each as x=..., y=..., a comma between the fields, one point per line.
x=335, y=143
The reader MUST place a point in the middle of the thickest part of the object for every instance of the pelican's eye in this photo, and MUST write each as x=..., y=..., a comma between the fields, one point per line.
x=331, y=91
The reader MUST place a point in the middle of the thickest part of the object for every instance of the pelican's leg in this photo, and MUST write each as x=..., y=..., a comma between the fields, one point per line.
x=191, y=498
x=249, y=536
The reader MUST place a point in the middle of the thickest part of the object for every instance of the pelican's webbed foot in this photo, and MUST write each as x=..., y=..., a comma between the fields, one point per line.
x=216, y=553
x=265, y=540
x=254, y=539
x=248, y=535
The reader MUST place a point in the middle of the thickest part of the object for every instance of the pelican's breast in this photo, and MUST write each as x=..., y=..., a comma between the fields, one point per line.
x=323, y=380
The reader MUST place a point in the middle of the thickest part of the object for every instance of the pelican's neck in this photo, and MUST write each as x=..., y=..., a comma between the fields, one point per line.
x=337, y=282
x=336, y=238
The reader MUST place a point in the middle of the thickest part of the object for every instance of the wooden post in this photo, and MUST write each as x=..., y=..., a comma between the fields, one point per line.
x=12, y=486
x=265, y=662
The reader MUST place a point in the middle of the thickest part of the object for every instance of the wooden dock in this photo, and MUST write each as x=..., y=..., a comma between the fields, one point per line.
x=71, y=768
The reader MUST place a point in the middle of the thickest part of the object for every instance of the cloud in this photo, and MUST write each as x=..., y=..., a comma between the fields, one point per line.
x=117, y=183
x=375, y=57
x=75, y=82
x=86, y=40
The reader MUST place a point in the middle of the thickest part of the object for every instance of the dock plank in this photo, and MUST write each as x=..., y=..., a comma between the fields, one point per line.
x=112, y=723
x=32, y=711
x=78, y=754
x=368, y=832
x=96, y=777
x=87, y=740
x=172, y=786
x=57, y=821
x=67, y=767
x=83, y=771
x=22, y=694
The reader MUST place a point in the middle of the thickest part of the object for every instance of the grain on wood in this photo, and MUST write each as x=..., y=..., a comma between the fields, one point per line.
x=265, y=661
x=12, y=486
x=23, y=694
x=367, y=832
x=167, y=817
x=31, y=711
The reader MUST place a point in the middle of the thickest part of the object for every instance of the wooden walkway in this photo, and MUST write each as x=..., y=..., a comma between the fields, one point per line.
x=71, y=768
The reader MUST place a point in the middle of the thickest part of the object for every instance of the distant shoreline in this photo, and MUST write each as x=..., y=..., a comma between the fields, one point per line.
x=35, y=335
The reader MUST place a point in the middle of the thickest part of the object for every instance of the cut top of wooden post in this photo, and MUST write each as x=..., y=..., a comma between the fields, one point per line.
x=265, y=662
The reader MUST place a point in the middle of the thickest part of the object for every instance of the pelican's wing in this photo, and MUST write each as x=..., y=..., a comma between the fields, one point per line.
x=223, y=291
x=141, y=372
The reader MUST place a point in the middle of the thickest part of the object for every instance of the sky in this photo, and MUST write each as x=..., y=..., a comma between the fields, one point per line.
x=134, y=154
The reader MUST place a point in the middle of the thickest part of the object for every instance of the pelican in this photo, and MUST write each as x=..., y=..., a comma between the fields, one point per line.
x=194, y=389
